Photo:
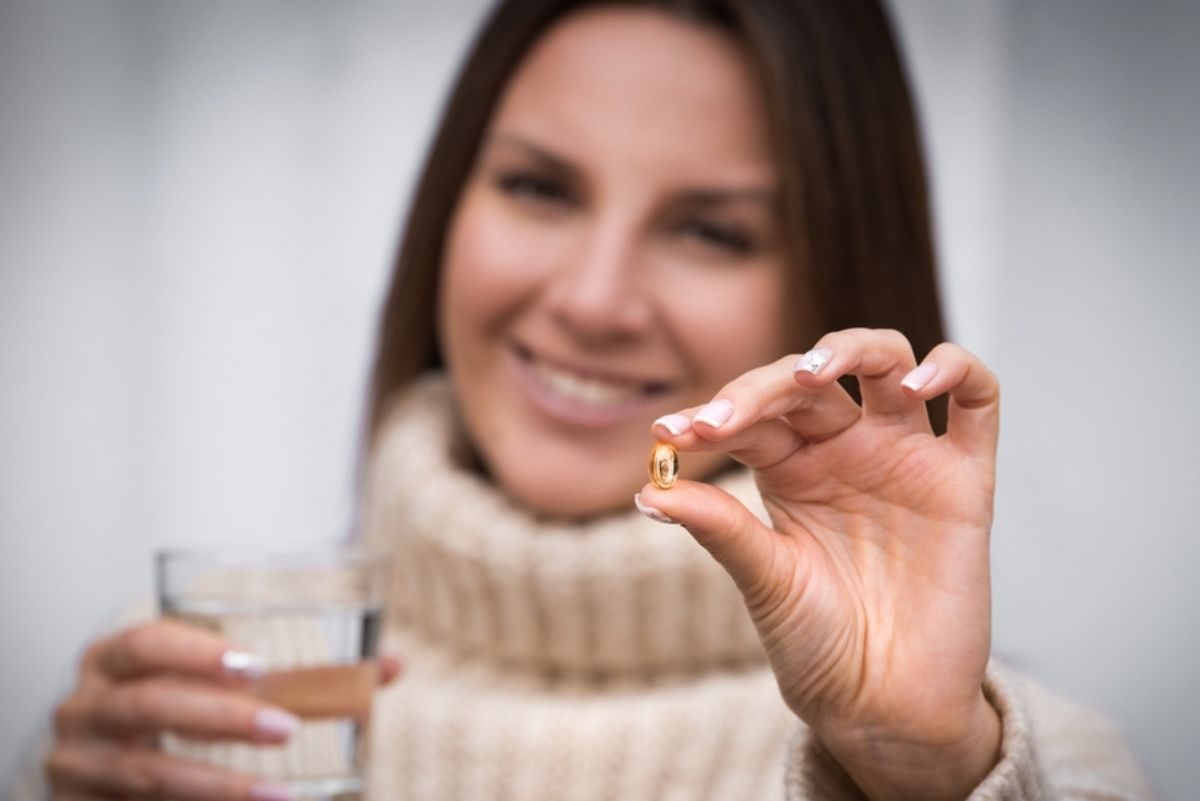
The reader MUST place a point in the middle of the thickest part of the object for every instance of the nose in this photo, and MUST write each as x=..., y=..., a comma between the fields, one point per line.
x=598, y=294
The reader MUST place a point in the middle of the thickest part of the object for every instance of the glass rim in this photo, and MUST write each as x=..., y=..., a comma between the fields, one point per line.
x=268, y=558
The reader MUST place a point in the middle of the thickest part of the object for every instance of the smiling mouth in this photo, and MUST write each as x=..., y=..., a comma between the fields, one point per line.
x=587, y=387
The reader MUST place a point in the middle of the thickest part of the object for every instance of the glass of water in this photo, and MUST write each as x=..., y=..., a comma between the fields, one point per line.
x=313, y=618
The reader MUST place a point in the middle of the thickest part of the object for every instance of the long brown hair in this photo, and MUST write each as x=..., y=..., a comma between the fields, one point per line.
x=854, y=198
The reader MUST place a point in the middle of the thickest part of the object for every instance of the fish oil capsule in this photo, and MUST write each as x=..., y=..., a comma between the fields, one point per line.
x=664, y=465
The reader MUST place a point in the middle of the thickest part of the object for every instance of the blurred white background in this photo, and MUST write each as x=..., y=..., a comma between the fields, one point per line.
x=199, y=201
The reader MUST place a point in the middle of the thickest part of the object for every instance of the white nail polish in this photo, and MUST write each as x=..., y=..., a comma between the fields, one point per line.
x=675, y=423
x=715, y=414
x=275, y=725
x=651, y=512
x=813, y=361
x=920, y=376
x=242, y=665
x=270, y=791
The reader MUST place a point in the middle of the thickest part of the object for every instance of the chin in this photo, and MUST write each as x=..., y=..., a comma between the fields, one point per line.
x=554, y=497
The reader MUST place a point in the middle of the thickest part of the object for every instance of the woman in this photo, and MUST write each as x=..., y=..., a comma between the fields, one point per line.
x=630, y=213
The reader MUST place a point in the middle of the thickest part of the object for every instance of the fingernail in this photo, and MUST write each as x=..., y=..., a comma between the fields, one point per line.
x=650, y=511
x=675, y=423
x=920, y=376
x=242, y=665
x=270, y=791
x=813, y=361
x=390, y=663
x=275, y=724
x=715, y=414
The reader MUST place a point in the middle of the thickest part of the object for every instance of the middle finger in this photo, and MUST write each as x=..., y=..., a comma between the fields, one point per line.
x=879, y=359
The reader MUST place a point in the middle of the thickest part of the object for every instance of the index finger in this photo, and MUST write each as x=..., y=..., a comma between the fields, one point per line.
x=172, y=646
x=816, y=409
x=764, y=393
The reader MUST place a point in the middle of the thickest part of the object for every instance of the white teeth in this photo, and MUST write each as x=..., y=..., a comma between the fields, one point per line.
x=588, y=390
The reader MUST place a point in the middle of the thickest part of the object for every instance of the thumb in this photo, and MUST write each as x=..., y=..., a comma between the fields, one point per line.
x=719, y=522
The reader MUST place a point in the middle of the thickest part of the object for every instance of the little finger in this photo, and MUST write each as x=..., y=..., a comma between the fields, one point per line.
x=99, y=768
x=973, y=420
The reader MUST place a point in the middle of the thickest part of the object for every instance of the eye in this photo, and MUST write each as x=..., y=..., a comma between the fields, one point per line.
x=532, y=186
x=721, y=236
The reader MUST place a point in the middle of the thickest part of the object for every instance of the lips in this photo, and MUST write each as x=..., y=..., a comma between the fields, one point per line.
x=584, y=396
x=576, y=387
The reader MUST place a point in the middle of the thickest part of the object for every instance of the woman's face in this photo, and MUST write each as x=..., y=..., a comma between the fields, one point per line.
x=614, y=255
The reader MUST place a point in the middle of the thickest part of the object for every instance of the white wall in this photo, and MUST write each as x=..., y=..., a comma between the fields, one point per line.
x=197, y=207
x=1064, y=142
x=198, y=203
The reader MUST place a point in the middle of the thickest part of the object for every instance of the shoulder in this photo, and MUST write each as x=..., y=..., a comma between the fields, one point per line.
x=1073, y=749
x=417, y=428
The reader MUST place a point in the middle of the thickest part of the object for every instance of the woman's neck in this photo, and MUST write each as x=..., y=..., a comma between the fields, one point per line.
x=482, y=579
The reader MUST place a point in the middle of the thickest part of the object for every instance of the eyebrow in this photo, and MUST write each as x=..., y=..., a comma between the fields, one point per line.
x=538, y=153
x=695, y=196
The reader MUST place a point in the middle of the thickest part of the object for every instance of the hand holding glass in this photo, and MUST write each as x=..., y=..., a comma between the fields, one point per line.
x=311, y=622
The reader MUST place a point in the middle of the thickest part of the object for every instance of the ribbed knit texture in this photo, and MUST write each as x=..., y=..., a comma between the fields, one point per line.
x=614, y=659
x=610, y=660
x=551, y=660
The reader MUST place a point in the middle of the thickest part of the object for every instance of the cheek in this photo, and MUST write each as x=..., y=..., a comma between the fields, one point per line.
x=731, y=324
x=496, y=264
x=492, y=267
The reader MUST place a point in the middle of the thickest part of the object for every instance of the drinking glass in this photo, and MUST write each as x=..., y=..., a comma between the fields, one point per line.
x=313, y=618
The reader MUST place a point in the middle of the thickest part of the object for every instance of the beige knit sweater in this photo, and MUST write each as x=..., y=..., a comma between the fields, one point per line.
x=613, y=660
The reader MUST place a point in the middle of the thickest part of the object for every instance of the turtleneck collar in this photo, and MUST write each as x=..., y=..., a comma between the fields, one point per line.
x=480, y=578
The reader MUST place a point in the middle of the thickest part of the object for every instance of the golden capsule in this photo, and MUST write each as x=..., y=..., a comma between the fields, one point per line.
x=664, y=465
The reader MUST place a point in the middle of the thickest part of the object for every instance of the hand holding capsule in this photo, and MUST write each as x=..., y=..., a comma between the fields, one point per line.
x=871, y=589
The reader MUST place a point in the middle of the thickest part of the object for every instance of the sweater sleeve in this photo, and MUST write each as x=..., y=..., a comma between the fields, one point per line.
x=1051, y=750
